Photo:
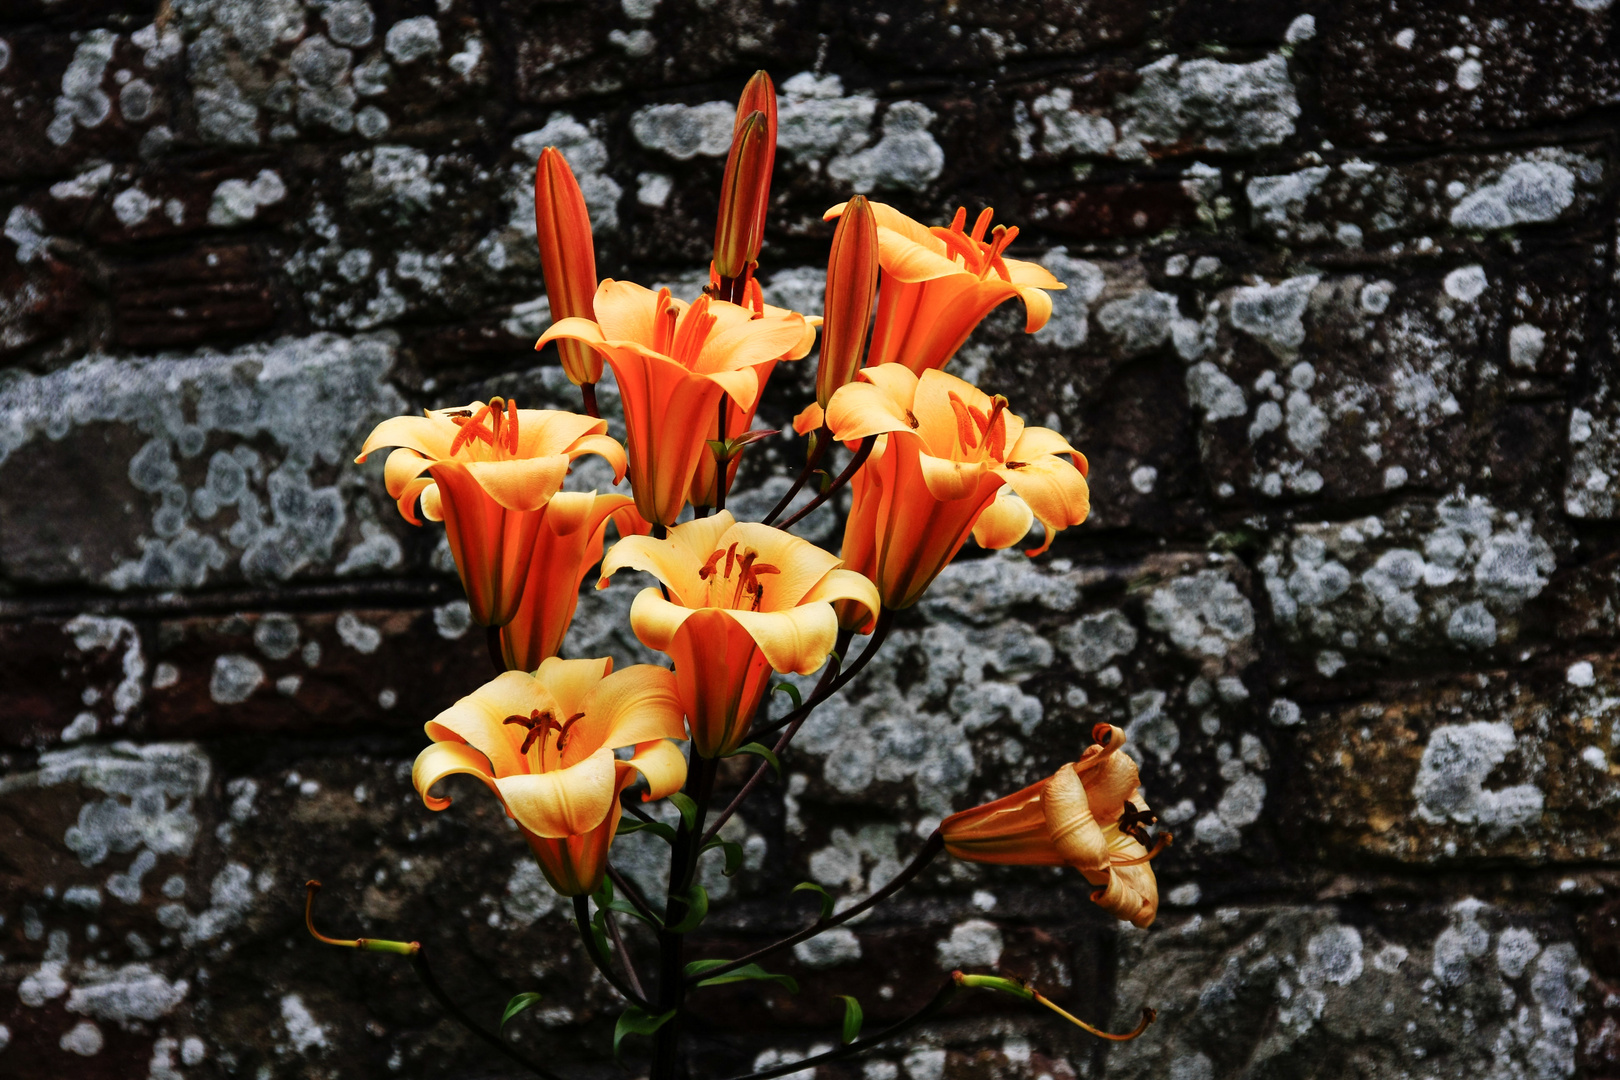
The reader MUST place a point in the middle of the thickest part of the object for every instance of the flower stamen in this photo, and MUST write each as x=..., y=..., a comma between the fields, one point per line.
x=1160, y=842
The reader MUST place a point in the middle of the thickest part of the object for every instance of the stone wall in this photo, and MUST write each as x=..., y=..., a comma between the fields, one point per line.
x=1339, y=340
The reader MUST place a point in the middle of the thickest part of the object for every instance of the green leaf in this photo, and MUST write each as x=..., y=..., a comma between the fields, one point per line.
x=826, y=897
x=761, y=749
x=751, y=973
x=517, y=1005
x=687, y=807
x=628, y=825
x=824, y=480
x=697, y=909
x=733, y=851
x=853, y=1018
x=636, y=1021
x=791, y=691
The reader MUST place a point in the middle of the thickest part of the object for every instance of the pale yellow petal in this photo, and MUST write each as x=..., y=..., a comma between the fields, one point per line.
x=636, y=705
x=663, y=766
x=572, y=682
x=565, y=802
x=447, y=759
x=846, y=585
x=796, y=640
x=1004, y=522
x=655, y=619
x=522, y=483
x=948, y=480
x=1055, y=490
x=1069, y=824
x=429, y=436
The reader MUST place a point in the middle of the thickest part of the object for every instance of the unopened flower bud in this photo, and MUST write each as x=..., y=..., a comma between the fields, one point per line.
x=746, y=190
x=852, y=277
x=567, y=258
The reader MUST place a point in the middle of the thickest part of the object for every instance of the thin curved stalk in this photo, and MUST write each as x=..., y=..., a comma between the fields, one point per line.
x=624, y=954
x=934, y=845
x=899, y=1027
x=843, y=478
x=582, y=917
x=588, y=392
x=632, y=894
x=823, y=440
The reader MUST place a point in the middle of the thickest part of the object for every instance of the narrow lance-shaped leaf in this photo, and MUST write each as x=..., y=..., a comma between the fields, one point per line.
x=517, y=1005
x=637, y=1021
x=746, y=973
x=853, y=1018
x=687, y=807
x=697, y=909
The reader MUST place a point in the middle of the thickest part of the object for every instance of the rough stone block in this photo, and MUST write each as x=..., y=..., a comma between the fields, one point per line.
x=1505, y=765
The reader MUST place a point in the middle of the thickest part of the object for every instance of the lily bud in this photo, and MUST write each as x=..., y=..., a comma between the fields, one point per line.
x=567, y=258
x=852, y=276
x=746, y=190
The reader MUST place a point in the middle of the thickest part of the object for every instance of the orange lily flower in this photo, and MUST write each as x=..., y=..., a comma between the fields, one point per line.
x=1089, y=815
x=945, y=449
x=567, y=257
x=673, y=362
x=938, y=284
x=567, y=544
x=544, y=742
x=743, y=600
x=491, y=471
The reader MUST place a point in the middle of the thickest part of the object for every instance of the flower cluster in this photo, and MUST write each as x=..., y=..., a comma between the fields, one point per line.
x=932, y=461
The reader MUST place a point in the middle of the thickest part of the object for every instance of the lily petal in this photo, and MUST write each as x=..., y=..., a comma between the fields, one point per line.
x=565, y=802
x=663, y=766
x=447, y=759
x=1004, y=522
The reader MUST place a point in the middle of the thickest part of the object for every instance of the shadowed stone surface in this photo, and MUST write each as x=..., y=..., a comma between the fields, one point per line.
x=1339, y=341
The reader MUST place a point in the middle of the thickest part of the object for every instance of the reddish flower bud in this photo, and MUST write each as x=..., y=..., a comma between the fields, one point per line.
x=852, y=277
x=746, y=190
x=567, y=258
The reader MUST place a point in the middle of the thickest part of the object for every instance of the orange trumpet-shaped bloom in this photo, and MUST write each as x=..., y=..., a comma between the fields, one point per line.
x=567, y=257
x=673, y=361
x=544, y=742
x=940, y=283
x=946, y=450
x=743, y=600
x=1088, y=815
x=568, y=542
x=490, y=472
x=852, y=278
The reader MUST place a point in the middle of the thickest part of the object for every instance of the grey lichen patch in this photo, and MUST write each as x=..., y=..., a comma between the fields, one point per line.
x=150, y=792
x=1452, y=773
x=1457, y=572
x=906, y=158
x=83, y=102
x=1276, y=988
x=685, y=131
x=1177, y=106
x=1592, y=489
x=311, y=399
x=1274, y=314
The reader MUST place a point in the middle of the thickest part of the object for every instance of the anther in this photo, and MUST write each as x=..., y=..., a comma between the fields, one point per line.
x=562, y=730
